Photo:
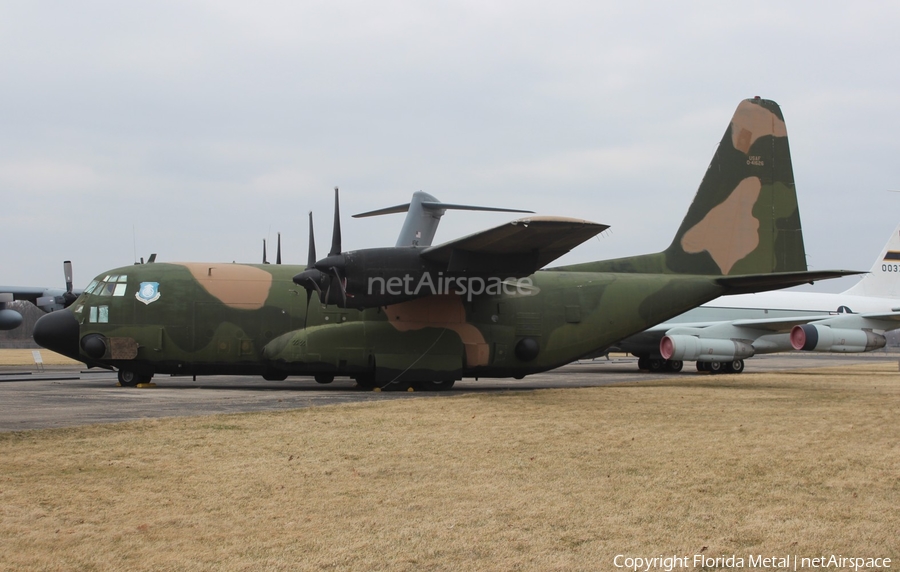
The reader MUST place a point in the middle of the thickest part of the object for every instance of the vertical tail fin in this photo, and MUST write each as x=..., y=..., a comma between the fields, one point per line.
x=744, y=218
x=883, y=280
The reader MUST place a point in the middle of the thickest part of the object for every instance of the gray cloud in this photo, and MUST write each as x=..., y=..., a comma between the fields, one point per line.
x=195, y=129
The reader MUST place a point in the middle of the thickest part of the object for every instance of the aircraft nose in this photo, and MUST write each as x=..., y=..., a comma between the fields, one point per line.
x=58, y=331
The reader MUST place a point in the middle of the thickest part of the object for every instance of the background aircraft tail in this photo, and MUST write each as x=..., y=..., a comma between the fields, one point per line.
x=744, y=218
x=423, y=214
x=883, y=281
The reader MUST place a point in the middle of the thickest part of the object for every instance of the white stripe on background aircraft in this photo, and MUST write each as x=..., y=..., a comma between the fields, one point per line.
x=720, y=334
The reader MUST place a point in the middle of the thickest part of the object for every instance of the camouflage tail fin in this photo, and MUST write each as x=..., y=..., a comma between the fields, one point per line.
x=744, y=218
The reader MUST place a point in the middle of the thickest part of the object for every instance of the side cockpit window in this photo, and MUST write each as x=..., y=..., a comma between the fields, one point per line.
x=99, y=315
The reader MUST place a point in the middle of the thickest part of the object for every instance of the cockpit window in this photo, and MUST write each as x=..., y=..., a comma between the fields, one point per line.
x=99, y=315
x=113, y=285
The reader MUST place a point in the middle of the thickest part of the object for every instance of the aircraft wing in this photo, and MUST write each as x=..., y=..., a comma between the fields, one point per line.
x=517, y=248
x=28, y=293
x=47, y=299
x=779, y=325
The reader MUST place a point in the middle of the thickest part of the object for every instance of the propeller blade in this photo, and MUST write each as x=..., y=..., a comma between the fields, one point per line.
x=278, y=254
x=313, y=278
x=69, y=296
x=311, y=259
x=306, y=315
x=336, y=234
x=67, y=270
x=264, y=252
x=341, y=283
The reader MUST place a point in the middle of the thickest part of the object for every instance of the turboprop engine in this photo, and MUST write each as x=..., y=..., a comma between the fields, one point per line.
x=692, y=348
x=9, y=319
x=375, y=277
x=486, y=262
x=47, y=299
x=365, y=278
x=815, y=338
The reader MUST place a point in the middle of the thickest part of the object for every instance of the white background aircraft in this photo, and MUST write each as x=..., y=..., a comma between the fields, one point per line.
x=720, y=334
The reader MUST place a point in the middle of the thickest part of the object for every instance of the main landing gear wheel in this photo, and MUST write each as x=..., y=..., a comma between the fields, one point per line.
x=324, y=378
x=674, y=365
x=656, y=365
x=128, y=378
x=366, y=382
x=736, y=366
x=643, y=363
x=274, y=376
x=715, y=367
x=434, y=385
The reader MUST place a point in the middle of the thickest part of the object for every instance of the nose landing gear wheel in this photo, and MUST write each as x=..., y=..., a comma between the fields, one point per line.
x=128, y=378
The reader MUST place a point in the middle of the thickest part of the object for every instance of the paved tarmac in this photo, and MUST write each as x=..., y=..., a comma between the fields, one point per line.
x=70, y=396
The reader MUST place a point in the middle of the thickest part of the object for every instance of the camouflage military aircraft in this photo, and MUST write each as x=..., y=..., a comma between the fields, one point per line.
x=477, y=306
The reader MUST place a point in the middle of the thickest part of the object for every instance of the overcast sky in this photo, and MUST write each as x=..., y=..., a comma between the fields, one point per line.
x=196, y=129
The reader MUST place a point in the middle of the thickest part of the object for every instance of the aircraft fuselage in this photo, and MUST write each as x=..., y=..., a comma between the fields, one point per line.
x=199, y=318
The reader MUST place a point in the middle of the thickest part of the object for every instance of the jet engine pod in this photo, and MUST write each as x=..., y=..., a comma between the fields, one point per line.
x=10, y=319
x=94, y=345
x=810, y=337
x=692, y=348
x=527, y=349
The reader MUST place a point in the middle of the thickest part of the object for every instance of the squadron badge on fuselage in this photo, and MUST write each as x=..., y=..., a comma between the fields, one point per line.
x=148, y=292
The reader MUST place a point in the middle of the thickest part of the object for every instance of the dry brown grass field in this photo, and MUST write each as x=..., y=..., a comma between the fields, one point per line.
x=25, y=358
x=800, y=463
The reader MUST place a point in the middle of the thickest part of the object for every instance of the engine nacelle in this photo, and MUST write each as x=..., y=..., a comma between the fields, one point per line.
x=10, y=319
x=375, y=277
x=813, y=338
x=692, y=348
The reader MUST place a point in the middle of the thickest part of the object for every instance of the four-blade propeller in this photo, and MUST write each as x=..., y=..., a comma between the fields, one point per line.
x=320, y=275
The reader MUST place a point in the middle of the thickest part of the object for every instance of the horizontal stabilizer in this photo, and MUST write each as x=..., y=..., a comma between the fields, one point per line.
x=750, y=283
x=424, y=212
x=517, y=248
x=434, y=205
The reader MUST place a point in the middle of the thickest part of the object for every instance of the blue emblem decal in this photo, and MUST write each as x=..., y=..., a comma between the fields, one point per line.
x=148, y=292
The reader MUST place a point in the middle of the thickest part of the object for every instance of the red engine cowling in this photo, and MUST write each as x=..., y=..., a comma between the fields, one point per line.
x=813, y=338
